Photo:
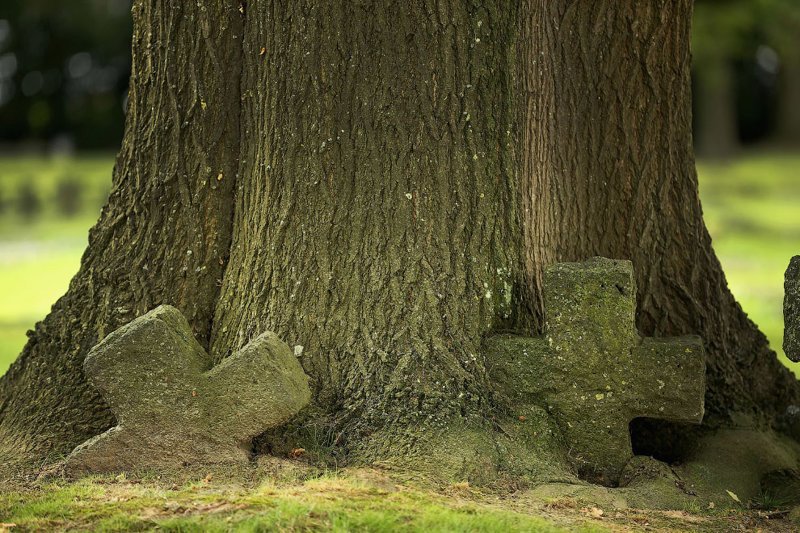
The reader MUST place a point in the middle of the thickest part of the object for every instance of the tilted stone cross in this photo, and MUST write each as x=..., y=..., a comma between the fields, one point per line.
x=591, y=369
x=173, y=408
x=791, y=311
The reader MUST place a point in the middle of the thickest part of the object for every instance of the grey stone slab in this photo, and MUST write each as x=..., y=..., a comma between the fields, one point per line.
x=591, y=369
x=173, y=408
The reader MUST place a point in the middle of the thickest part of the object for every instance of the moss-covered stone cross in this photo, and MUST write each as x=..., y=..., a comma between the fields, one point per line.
x=173, y=409
x=591, y=369
x=791, y=310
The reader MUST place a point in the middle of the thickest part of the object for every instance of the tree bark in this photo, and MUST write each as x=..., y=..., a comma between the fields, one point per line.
x=377, y=223
x=382, y=184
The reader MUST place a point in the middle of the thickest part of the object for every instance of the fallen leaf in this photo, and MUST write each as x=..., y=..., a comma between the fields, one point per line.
x=733, y=496
x=208, y=478
x=263, y=51
x=297, y=452
x=594, y=512
x=711, y=505
x=522, y=418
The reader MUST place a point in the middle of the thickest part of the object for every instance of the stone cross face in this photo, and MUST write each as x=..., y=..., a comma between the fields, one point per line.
x=591, y=369
x=173, y=408
x=791, y=311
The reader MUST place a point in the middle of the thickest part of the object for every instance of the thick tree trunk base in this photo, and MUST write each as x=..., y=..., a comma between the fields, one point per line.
x=496, y=451
x=505, y=456
x=501, y=453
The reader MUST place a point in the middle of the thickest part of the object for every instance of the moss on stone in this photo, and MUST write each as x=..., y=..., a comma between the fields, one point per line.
x=173, y=408
x=592, y=372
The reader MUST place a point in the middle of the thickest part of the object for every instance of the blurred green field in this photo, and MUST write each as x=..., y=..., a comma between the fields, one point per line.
x=40, y=248
x=750, y=205
x=751, y=212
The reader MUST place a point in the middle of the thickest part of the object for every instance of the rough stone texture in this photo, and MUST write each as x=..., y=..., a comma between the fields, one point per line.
x=173, y=408
x=791, y=310
x=591, y=369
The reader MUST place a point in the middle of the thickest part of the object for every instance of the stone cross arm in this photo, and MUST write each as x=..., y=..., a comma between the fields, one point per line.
x=591, y=369
x=173, y=408
x=260, y=392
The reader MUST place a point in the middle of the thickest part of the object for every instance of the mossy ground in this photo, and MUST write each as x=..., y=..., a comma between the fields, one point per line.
x=345, y=500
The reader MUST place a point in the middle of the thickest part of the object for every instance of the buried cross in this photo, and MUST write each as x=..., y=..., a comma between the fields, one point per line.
x=593, y=372
x=173, y=409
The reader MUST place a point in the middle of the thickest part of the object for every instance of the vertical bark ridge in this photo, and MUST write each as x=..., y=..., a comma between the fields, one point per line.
x=376, y=219
x=162, y=237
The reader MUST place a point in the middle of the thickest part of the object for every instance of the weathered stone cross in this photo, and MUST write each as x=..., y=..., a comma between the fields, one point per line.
x=591, y=369
x=791, y=311
x=173, y=409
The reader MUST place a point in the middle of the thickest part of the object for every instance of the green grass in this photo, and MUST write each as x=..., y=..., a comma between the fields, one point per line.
x=329, y=503
x=40, y=254
x=750, y=205
x=299, y=498
x=29, y=286
x=751, y=212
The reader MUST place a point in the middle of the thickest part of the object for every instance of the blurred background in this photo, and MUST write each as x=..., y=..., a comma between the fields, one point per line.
x=64, y=69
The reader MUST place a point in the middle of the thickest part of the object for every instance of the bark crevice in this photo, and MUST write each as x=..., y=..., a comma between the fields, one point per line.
x=242, y=134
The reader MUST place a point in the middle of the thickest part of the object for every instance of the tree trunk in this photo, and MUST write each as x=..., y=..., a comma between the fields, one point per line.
x=377, y=223
x=382, y=184
x=611, y=172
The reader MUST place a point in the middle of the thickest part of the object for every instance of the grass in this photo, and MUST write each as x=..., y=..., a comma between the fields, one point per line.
x=332, y=502
x=750, y=205
x=39, y=253
x=345, y=500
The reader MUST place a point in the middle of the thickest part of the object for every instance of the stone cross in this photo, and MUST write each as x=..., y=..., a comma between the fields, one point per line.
x=173, y=409
x=591, y=369
x=791, y=310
